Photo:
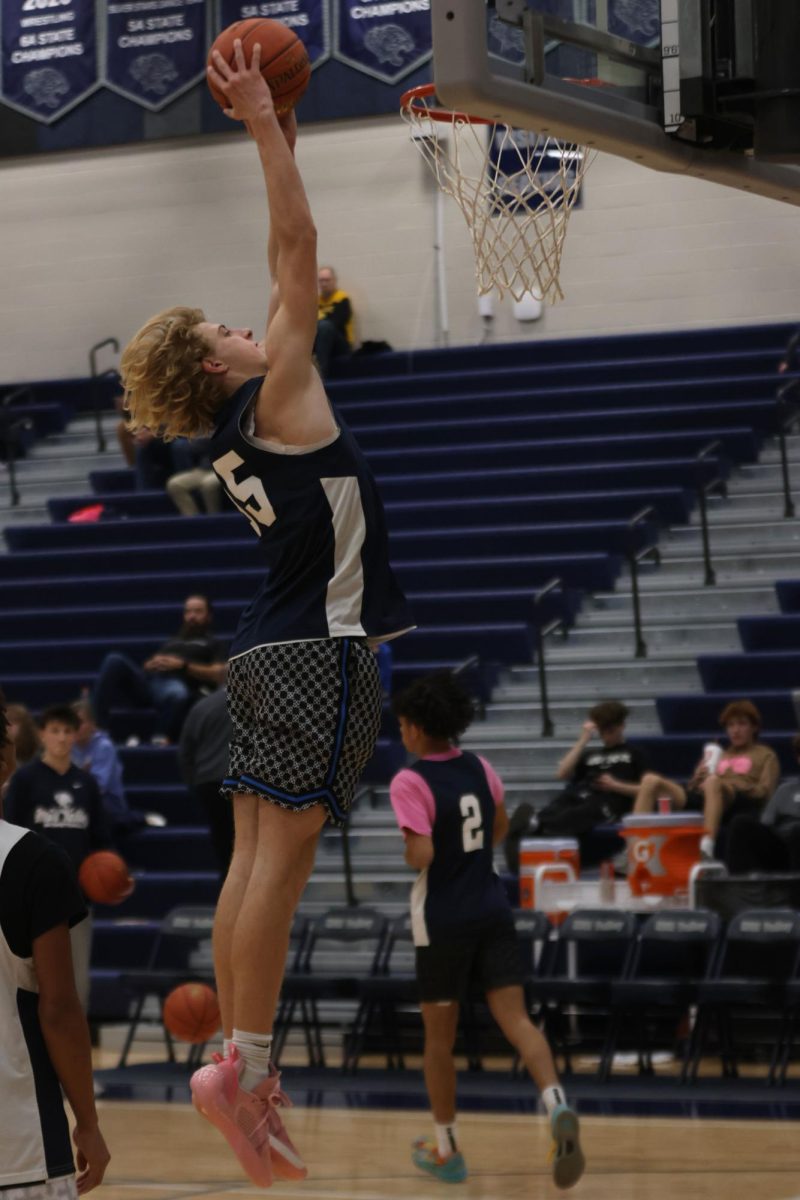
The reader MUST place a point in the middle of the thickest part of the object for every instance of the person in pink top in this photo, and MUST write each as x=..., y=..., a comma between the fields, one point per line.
x=743, y=780
x=449, y=806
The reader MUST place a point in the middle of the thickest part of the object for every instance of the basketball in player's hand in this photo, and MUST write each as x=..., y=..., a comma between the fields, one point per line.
x=105, y=878
x=284, y=59
x=191, y=1012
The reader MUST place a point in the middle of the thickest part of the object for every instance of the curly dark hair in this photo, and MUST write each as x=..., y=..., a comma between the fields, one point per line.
x=438, y=704
x=608, y=713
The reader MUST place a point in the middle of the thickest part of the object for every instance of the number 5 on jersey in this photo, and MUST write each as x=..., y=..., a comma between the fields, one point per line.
x=472, y=823
x=248, y=495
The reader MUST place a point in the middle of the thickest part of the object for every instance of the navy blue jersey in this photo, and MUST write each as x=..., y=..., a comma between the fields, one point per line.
x=461, y=887
x=65, y=808
x=322, y=530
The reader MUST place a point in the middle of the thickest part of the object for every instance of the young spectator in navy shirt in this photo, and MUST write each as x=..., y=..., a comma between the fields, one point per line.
x=61, y=802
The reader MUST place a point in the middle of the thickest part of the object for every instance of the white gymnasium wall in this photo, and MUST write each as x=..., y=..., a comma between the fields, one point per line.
x=93, y=243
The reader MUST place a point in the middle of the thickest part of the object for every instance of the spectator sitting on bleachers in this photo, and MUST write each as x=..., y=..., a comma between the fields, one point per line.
x=773, y=843
x=203, y=757
x=200, y=478
x=185, y=667
x=744, y=780
x=602, y=782
x=24, y=733
x=334, y=322
x=96, y=753
x=156, y=460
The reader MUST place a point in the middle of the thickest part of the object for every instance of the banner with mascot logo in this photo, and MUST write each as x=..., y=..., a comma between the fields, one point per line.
x=49, y=55
x=309, y=19
x=155, y=49
x=387, y=39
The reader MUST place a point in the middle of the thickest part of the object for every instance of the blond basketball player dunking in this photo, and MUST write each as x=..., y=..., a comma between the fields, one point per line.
x=303, y=687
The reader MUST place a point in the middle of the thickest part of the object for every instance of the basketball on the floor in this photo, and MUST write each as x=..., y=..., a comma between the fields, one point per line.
x=284, y=59
x=105, y=877
x=191, y=1012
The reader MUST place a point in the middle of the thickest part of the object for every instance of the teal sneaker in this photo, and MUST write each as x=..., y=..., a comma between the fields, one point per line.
x=452, y=1169
x=566, y=1156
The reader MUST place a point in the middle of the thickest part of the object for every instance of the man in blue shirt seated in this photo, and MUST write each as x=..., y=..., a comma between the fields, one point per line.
x=95, y=752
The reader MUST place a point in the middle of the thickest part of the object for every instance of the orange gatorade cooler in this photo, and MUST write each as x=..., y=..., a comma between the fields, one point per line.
x=535, y=852
x=661, y=851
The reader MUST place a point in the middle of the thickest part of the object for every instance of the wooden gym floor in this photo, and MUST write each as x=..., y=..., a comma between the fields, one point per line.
x=167, y=1152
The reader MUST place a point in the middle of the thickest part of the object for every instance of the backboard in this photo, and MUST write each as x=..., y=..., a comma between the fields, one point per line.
x=707, y=88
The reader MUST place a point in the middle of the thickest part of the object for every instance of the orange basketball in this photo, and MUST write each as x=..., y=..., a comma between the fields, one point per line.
x=284, y=59
x=191, y=1012
x=105, y=878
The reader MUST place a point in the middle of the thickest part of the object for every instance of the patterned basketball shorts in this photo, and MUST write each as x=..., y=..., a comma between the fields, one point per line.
x=305, y=719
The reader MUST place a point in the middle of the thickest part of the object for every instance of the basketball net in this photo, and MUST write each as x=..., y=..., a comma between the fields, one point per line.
x=515, y=188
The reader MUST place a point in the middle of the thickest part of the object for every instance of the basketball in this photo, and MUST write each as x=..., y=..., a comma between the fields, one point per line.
x=191, y=1012
x=284, y=59
x=105, y=878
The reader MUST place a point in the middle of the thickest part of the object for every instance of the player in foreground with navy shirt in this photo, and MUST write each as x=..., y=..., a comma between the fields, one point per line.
x=304, y=692
x=449, y=806
x=44, y=1038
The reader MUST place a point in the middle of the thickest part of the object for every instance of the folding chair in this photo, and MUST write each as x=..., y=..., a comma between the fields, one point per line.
x=343, y=946
x=387, y=998
x=790, y=1018
x=592, y=950
x=757, y=959
x=674, y=952
x=181, y=953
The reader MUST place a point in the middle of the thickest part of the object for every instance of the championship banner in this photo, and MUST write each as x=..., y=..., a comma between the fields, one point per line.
x=155, y=49
x=387, y=39
x=309, y=19
x=49, y=55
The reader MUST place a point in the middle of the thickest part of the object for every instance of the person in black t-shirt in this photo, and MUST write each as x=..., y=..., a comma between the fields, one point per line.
x=602, y=782
x=186, y=667
x=44, y=1038
x=63, y=803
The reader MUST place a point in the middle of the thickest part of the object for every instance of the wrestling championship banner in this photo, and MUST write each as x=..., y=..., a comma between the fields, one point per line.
x=155, y=49
x=309, y=19
x=49, y=55
x=387, y=39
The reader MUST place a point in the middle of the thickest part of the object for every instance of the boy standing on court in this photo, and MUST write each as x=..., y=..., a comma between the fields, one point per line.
x=304, y=692
x=449, y=806
x=44, y=1035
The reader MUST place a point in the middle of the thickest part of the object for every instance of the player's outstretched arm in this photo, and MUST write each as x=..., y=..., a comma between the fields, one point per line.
x=291, y=332
x=66, y=1036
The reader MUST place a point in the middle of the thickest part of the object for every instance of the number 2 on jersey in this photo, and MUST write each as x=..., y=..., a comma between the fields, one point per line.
x=472, y=823
x=248, y=495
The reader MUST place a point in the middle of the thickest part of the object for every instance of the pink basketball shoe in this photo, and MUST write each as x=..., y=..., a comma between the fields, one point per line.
x=286, y=1162
x=243, y=1118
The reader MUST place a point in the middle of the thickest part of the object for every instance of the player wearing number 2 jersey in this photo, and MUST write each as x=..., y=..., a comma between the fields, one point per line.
x=303, y=686
x=449, y=806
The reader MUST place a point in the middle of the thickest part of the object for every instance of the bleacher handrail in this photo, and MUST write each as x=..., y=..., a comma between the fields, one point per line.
x=11, y=442
x=788, y=415
x=704, y=489
x=634, y=558
x=543, y=631
x=97, y=375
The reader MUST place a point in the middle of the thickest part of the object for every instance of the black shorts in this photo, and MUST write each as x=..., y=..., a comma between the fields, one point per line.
x=305, y=719
x=486, y=956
